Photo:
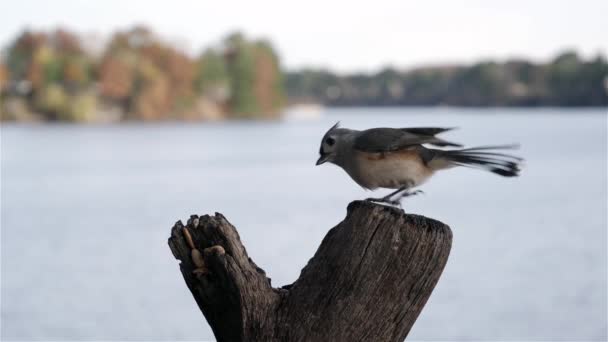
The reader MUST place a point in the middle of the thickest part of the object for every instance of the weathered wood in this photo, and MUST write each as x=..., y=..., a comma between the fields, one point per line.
x=368, y=281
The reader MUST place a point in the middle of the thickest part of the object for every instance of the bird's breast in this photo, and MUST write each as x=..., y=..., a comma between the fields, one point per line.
x=388, y=170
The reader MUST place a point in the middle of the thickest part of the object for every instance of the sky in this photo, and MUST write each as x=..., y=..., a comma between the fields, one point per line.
x=345, y=36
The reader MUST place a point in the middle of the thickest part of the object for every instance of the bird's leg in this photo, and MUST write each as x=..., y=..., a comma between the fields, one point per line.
x=399, y=193
x=404, y=194
x=387, y=198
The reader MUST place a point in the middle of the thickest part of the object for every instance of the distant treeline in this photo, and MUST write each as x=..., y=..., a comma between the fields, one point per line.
x=59, y=75
x=137, y=76
x=567, y=80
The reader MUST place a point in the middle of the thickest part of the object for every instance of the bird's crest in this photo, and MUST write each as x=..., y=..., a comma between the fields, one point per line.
x=337, y=125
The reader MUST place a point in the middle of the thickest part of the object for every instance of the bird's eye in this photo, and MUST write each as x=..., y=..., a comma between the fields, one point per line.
x=330, y=141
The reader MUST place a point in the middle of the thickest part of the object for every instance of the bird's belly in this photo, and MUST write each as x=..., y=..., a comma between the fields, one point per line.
x=392, y=170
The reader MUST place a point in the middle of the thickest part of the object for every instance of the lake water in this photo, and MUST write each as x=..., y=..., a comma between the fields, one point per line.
x=87, y=210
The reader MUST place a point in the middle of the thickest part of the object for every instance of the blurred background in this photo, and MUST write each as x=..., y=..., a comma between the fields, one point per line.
x=120, y=118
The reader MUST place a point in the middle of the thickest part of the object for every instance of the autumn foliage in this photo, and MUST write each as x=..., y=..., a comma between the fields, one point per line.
x=141, y=77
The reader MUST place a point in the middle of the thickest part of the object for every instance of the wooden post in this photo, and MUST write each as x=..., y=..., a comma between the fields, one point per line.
x=368, y=281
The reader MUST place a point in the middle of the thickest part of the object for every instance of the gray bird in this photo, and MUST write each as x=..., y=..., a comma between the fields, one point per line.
x=395, y=158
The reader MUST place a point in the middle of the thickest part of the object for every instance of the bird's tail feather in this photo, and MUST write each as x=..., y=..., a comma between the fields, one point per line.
x=485, y=158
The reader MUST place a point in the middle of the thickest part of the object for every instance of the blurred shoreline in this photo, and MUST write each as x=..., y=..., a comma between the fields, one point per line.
x=137, y=76
x=288, y=117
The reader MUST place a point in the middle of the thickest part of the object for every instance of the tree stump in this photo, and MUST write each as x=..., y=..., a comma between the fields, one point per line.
x=368, y=281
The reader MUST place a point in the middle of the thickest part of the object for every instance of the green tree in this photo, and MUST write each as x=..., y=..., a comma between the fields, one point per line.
x=240, y=66
x=212, y=77
x=255, y=77
x=574, y=82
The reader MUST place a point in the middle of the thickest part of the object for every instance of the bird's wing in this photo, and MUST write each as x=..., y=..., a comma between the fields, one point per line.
x=393, y=139
x=432, y=131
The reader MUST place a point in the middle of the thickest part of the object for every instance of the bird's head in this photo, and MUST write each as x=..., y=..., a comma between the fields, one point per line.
x=330, y=144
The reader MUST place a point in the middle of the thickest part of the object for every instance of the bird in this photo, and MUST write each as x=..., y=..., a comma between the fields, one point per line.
x=397, y=158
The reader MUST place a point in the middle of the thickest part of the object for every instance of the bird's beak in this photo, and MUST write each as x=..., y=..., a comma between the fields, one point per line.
x=322, y=159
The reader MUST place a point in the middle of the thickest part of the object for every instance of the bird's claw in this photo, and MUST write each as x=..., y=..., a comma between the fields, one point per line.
x=413, y=193
x=396, y=198
x=396, y=203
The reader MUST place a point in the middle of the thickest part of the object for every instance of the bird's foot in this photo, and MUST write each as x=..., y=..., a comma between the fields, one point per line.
x=397, y=197
x=396, y=203
x=377, y=200
x=394, y=199
x=410, y=193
